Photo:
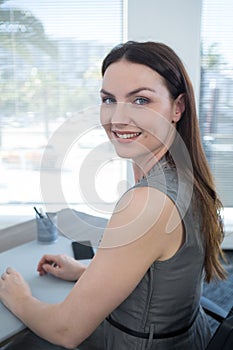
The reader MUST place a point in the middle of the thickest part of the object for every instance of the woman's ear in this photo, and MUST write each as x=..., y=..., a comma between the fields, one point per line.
x=179, y=107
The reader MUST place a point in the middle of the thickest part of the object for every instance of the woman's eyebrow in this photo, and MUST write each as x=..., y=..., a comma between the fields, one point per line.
x=102, y=91
x=136, y=91
x=133, y=92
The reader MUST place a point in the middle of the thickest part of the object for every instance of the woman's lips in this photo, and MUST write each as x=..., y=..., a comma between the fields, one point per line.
x=126, y=135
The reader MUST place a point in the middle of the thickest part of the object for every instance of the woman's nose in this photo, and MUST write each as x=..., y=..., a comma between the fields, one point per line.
x=120, y=113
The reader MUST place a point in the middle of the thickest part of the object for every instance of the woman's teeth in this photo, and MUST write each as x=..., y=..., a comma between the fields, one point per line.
x=127, y=136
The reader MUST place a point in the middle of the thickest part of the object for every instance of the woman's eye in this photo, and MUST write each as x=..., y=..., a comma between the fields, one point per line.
x=141, y=100
x=108, y=100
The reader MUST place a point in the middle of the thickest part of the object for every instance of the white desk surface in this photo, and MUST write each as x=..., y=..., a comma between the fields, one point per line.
x=47, y=288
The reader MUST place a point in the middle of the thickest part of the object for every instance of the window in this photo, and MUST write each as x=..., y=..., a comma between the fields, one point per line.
x=216, y=96
x=51, y=53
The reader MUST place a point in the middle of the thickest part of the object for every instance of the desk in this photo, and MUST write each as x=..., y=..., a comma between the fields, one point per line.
x=24, y=258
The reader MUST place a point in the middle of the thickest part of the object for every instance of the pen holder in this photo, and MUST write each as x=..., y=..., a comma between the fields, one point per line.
x=47, y=228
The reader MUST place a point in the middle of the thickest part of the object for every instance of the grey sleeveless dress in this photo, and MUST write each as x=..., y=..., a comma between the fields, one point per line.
x=167, y=299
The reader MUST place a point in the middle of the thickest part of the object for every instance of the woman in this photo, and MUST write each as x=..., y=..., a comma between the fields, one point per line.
x=164, y=235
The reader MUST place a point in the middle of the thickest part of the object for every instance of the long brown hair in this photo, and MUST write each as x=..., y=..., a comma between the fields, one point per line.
x=165, y=62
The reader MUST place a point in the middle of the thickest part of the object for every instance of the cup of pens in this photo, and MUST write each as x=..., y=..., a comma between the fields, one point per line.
x=46, y=224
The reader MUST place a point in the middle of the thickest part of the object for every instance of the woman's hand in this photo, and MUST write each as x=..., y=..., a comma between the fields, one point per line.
x=61, y=266
x=13, y=289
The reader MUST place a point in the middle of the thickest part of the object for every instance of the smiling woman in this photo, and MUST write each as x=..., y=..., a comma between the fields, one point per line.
x=142, y=289
x=138, y=112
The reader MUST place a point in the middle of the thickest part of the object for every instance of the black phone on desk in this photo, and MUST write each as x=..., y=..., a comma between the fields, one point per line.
x=82, y=250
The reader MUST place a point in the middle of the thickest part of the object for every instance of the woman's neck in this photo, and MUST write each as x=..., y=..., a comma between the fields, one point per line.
x=140, y=169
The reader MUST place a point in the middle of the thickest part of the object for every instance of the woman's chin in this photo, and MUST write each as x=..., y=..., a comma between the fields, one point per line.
x=123, y=154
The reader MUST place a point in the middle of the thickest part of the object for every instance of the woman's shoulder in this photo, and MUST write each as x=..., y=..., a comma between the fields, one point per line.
x=143, y=213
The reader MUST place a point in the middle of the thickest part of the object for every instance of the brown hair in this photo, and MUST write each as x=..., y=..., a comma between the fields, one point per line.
x=165, y=62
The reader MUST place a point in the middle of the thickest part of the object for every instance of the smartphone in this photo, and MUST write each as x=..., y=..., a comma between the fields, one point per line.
x=82, y=250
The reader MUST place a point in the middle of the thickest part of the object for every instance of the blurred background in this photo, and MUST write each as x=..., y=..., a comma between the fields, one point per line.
x=50, y=58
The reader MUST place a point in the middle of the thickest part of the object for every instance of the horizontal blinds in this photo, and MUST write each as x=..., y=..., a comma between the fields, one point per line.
x=216, y=96
x=50, y=59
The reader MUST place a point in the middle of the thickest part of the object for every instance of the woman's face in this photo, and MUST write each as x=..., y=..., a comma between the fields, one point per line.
x=137, y=111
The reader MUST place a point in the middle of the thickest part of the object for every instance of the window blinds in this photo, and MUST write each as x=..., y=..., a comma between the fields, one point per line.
x=216, y=94
x=50, y=59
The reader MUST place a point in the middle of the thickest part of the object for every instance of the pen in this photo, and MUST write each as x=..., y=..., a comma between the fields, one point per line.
x=38, y=213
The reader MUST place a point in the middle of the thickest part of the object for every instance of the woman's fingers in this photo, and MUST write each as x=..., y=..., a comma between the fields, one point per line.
x=50, y=264
x=8, y=271
x=3, y=276
x=46, y=259
x=52, y=268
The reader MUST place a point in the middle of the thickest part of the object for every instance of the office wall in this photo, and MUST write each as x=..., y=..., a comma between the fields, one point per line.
x=173, y=22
